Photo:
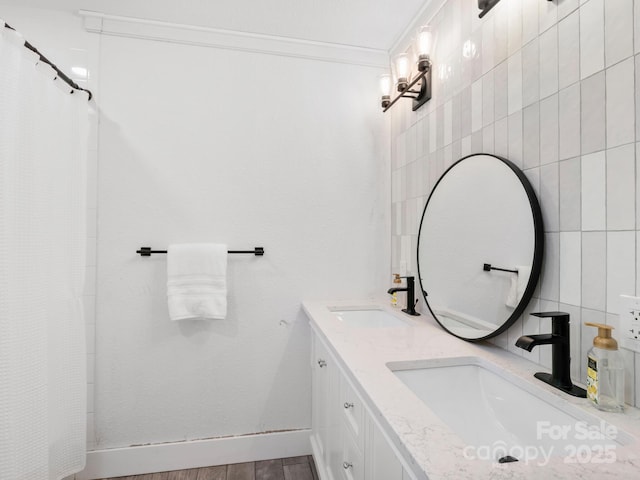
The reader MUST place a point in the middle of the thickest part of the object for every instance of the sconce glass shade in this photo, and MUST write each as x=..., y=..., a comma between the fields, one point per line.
x=402, y=71
x=424, y=41
x=423, y=47
x=385, y=89
x=385, y=84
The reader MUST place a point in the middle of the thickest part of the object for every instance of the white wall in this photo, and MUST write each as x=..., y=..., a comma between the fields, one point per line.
x=208, y=144
x=550, y=86
x=249, y=149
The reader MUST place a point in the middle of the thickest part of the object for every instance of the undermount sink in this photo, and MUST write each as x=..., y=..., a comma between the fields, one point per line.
x=494, y=410
x=362, y=317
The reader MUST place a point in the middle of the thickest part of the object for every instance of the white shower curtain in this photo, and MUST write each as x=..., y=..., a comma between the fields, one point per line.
x=43, y=134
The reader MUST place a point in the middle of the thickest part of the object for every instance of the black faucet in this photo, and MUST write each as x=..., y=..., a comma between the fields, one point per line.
x=560, y=376
x=411, y=302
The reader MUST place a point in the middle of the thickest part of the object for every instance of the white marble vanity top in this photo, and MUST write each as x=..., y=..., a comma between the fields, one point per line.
x=433, y=450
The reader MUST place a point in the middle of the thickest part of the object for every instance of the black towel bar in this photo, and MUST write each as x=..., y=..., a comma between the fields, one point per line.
x=488, y=267
x=147, y=252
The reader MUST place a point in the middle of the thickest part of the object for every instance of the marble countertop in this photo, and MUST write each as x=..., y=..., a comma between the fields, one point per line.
x=430, y=447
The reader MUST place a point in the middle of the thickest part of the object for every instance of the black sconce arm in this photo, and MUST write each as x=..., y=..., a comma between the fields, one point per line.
x=486, y=5
x=421, y=96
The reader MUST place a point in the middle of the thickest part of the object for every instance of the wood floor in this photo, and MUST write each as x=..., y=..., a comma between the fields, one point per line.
x=294, y=468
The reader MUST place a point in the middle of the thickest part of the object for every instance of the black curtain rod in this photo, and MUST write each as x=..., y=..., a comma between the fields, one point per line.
x=59, y=72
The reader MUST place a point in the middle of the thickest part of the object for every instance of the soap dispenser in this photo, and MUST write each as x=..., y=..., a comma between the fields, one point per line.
x=605, y=371
x=396, y=283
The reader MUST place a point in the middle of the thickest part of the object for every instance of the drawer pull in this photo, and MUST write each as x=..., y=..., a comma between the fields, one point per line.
x=347, y=465
x=322, y=363
x=348, y=405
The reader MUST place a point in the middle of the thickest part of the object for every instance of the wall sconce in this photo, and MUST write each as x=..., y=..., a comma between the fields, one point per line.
x=404, y=82
x=486, y=5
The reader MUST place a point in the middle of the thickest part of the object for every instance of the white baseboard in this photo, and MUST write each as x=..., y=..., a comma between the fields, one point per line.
x=164, y=457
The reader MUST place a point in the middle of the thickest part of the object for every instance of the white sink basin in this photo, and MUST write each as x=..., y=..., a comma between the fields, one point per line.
x=491, y=409
x=361, y=317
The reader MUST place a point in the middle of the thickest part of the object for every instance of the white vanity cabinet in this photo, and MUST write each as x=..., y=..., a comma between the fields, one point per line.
x=347, y=443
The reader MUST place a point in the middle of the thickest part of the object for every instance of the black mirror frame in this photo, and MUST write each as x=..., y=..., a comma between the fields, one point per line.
x=538, y=252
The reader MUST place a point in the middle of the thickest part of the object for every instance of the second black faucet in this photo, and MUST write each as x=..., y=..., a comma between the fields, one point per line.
x=411, y=299
x=560, y=376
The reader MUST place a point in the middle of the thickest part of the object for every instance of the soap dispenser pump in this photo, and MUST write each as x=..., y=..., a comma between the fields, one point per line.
x=605, y=371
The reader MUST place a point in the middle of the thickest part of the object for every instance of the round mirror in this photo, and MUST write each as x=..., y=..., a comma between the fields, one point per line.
x=480, y=246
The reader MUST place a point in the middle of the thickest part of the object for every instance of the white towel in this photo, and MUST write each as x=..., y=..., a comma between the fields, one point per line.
x=519, y=283
x=197, y=281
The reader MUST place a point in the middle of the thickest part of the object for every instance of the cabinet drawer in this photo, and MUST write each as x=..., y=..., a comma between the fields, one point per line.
x=352, y=410
x=352, y=459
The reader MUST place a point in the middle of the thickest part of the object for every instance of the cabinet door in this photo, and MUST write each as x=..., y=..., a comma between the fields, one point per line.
x=325, y=434
x=381, y=461
x=334, y=424
x=320, y=380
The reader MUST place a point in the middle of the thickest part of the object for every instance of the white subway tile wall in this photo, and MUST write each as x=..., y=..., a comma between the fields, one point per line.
x=551, y=86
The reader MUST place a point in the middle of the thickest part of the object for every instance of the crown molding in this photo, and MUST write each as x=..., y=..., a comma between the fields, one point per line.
x=105, y=24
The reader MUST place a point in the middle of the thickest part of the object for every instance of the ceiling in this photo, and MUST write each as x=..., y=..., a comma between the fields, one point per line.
x=365, y=23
